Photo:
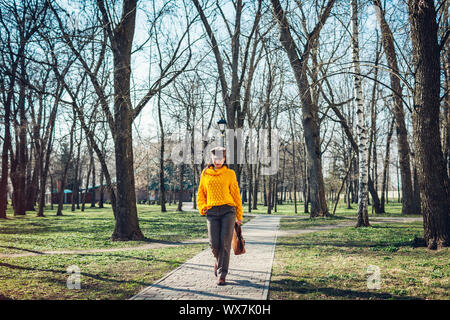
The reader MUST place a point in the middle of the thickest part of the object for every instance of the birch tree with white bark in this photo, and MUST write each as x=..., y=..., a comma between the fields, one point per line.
x=363, y=216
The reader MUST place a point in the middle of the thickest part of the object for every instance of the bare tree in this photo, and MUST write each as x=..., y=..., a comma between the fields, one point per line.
x=298, y=60
x=408, y=203
x=363, y=217
x=120, y=35
x=26, y=17
x=236, y=110
x=66, y=163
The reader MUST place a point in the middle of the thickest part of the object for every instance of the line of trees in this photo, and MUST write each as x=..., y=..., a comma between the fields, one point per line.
x=81, y=82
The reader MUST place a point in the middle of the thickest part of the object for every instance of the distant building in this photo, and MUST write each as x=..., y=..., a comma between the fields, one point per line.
x=90, y=191
x=172, y=192
x=142, y=194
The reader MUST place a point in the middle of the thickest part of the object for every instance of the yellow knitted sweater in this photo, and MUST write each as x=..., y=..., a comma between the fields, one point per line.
x=219, y=187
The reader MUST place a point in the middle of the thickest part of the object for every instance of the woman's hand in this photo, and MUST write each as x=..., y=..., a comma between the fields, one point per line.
x=239, y=222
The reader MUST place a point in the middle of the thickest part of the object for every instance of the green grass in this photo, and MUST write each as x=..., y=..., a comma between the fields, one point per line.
x=392, y=209
x=334, y=259
x=333, y=265
x=115, y=275
x=295, y=223
x=93, y=228
x=109, y=275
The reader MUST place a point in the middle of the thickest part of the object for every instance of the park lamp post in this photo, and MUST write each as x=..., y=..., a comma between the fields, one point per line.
x=222, y=125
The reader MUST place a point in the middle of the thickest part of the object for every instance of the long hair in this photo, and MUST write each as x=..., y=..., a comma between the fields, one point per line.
x=217, y=151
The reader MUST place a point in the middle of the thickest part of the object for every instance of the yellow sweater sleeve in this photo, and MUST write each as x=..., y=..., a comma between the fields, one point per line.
x=201, y=195
x=236, y=194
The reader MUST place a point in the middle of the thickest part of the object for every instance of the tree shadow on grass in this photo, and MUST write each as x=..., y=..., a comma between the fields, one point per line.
x=64, y=272
x=393, y=227
x=350, y=244
x=150, y=259
x=21, y=249
x=304, y=288
x=143, y=245
x=2, y=297
x=57, y=228
x=92, y=289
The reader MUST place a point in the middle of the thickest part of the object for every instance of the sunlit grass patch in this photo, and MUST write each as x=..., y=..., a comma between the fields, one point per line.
x=115, y=275
x=92, y=229
x=334, y=265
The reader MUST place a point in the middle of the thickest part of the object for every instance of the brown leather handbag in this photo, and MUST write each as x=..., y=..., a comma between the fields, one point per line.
x=238, y=241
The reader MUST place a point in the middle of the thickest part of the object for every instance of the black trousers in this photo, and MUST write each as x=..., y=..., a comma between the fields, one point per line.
x=220, y=220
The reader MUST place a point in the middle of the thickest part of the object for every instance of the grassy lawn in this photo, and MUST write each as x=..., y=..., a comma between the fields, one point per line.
x=393, y=209
x=114, y=275
x=109, y=275
x=294, y=223
x=334, y=265
x=93, y=228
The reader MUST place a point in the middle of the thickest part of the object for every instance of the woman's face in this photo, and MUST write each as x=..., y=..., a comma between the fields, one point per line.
x=218, y=163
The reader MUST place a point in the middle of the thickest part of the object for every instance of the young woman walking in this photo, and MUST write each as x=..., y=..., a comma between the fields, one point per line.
x=219, y=199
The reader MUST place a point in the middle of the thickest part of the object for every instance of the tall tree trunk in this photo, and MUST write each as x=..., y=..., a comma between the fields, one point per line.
x=408, y=203
x=88, y=175
x=250, y=188
x=386, y=164
x=127, y=223
x=52, y=185
x=342, y=187
x=5, y=158
x=66, y=168
x=45, y=167
x=446, y=105
x=348, y=193
x=294, y=169
x=256, y=187
x=372, y=137
x=363, y=217
x=93, y=200
x=162, y=190
x=195, y=180
x=101, y=201
x=398, y=184
x=265, y=191
x=306, y=193
x=76, y=183
x=19, y=179
x=25, y=28
x=306, y=189
x=310, y=118
x=32, y=185
x=433, y=179
x=249, y=176
x=416, y=188
x=180, y=182
x=270, y=198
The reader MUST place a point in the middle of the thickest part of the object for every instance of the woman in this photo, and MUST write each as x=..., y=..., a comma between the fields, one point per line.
x=219, y=199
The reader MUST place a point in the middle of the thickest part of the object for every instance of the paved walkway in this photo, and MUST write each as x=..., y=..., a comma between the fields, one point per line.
x=248, y=277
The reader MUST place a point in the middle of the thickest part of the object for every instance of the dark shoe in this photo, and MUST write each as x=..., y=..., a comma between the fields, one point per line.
x=221, y=282
x=215, y=269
